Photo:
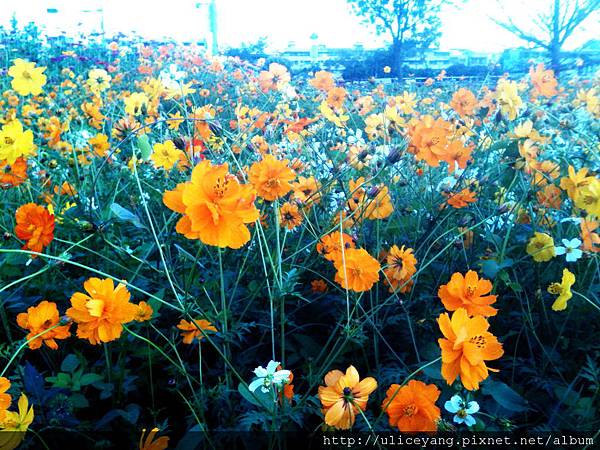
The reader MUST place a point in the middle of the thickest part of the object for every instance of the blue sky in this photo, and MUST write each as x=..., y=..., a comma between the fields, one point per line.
x=281, y=21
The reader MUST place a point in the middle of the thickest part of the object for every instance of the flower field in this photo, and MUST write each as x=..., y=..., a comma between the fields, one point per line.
x=196, y=244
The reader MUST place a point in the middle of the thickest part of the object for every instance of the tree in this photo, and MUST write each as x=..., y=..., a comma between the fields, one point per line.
x=553, y=27
x=411, y=24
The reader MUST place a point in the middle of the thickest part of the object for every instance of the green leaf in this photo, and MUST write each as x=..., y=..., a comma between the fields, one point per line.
x=126, y=216
x=70, y=363
x=144, y=146
x=504, y=396
x=79, y=401
x=89, y=378
x=258, y=397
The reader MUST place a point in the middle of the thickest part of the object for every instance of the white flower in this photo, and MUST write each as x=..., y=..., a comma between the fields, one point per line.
x=462, y=410
x=570, y=249
x=269, y=377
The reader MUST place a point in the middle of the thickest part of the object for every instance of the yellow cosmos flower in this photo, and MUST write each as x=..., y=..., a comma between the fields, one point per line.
x=165, y=155
x=588, y=197
x=541, y=247
x=98, y=80
x=507, y=95
x=15, y=425
x=26, y=78
x=563, y=290
x=135, y=102
x=15, y=142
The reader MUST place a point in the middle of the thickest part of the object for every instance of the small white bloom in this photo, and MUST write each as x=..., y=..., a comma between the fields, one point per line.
x=570, y=249
x=462, y=410
x=269, y=377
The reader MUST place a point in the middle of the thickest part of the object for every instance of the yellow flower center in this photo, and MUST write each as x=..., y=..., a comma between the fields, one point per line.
x=26, y=75
x=8, y=140
x=555, y=288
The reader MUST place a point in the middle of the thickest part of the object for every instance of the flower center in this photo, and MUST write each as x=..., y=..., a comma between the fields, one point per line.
x=220, y=187
x=479, y=341
x=410, y=410
x=471, y=290
x=8, y=140
x=26, y=75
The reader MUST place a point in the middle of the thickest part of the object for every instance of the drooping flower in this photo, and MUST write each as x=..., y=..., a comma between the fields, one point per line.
x=541, y=247
x=466, y=346
x=15, y=142
x=15, y=425
x=570, y=249
x=462, y=198
x=544, y=83
x=563, y=290
x=507, y=95
x=101, y=313
x=343, y=395
x=469, y=292
x=271, y=177
x=411, y=408
x=26, y=77
x=192, y=330
x=34, y=225
x=306, y=190
x=165, y=155
x=215, y=205
x=43, y=318
x=269, y=377
x=462, y=410
x=356, y=270
x=401, y=266
x=150, y=443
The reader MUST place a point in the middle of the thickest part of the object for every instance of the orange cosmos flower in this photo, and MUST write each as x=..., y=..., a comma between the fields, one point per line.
x=189, y=331
x=336, y=97
x=469, y=292
x=356, y=270
x=428, y=139
x=463, y=102
x=380, y=206
x=543, y=81
x=271, y=177
x=306, y=190
x=35, y=225
x=40, y=318
x=101, y=313
x=412, y=407
x=466, y=346
x=549, y=197
x=318, y=286
x=457, y=155
x=151, y=442
x=462, y=199
x=144, y=312
x=322, y=81
x=13, y=174
x=591, y=240
x=5, y=399
x=215, y=205
x=343, y=395
x=401, y=267
x=330, y=245
x=289, y=215
x=274, y=79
